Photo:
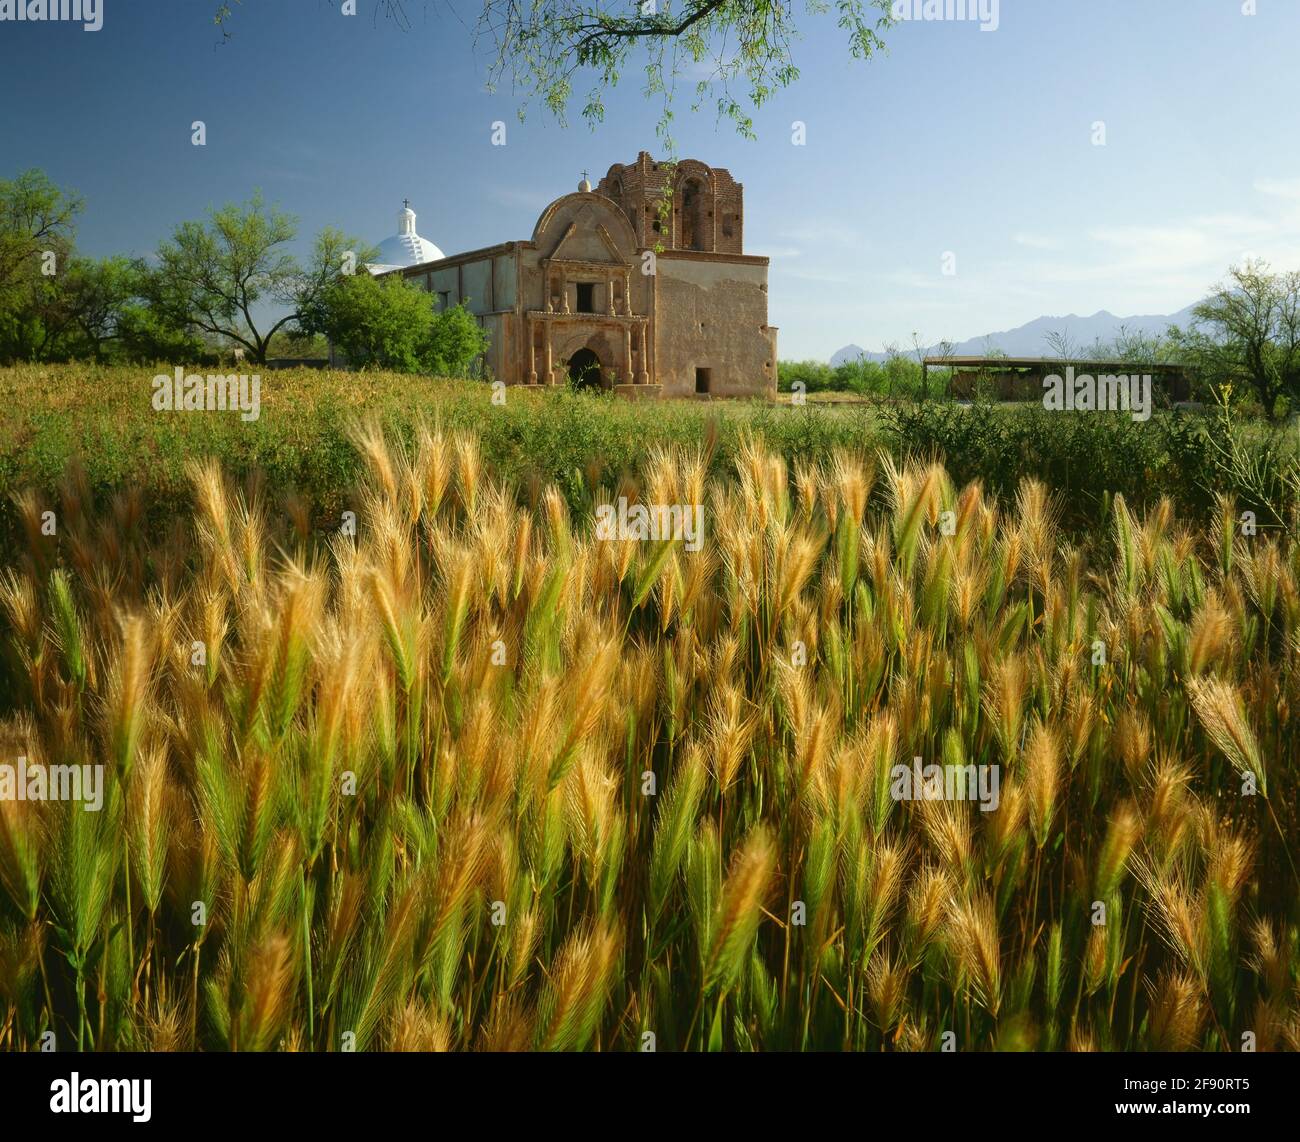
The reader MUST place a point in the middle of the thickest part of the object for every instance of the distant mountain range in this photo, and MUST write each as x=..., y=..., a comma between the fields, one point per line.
x=1030, y=340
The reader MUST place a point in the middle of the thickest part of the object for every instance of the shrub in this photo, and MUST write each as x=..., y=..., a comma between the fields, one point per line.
x=390, y=323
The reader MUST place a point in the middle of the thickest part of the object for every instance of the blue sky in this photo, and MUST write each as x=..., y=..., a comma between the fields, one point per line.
x=978, y=144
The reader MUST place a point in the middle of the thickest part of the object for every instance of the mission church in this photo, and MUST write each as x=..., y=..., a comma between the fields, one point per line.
x=607, y=292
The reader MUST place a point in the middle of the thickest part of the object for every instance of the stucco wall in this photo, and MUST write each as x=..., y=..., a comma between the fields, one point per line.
x=446, y=280
x=713, y=315
x=476, y=286
x=505, y=281
x=500, y=361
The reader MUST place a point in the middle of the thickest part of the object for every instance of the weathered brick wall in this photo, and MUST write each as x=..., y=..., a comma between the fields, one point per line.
x=718, y=221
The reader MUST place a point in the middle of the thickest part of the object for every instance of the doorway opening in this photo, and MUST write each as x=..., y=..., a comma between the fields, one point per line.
x=702, y=380
x=584, y=370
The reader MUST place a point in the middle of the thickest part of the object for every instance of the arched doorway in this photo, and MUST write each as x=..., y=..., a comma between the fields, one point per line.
x=585, y=370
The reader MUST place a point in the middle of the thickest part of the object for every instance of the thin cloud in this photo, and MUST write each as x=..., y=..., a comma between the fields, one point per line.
x=1036, y=241
x=1279, y=187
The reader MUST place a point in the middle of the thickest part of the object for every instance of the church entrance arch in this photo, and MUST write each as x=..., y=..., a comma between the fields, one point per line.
x=585, y=369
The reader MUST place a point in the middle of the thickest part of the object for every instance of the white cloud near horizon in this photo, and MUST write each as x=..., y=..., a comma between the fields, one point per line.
x=1279, y=187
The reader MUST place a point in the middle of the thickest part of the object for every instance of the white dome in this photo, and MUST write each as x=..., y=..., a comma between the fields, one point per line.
x=406, y=247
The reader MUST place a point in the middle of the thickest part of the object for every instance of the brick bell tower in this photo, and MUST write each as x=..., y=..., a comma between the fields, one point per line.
x=708, y=205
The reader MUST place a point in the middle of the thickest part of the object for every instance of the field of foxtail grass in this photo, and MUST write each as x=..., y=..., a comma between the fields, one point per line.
x=466, y=777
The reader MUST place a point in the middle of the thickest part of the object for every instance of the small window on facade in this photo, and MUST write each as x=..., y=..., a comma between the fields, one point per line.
x=586, y=297
x=444, y=299
x=702, y=380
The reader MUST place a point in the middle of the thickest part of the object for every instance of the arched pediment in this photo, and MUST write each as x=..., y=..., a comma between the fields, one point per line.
x=585, y=227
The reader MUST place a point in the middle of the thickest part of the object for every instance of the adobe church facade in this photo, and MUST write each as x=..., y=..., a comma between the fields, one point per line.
x=589, y=297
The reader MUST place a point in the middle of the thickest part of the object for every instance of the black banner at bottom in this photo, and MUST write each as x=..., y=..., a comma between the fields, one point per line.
x=337, y=1091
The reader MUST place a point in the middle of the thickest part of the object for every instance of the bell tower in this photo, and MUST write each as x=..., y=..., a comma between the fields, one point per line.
x=707, y=205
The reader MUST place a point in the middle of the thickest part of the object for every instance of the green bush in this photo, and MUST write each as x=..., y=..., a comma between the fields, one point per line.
x=1087, y=456
x=815, y=376
x=390, y=323
x=898, y=377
